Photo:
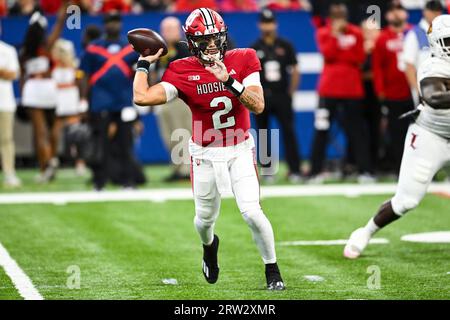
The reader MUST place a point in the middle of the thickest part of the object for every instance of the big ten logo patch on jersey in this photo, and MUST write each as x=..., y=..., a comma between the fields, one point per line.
x=195, y=77
x=346, y=41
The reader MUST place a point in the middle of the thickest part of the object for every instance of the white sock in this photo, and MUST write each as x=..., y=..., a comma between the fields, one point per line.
x=262, y=234
x=371, y=227
x=205, y=230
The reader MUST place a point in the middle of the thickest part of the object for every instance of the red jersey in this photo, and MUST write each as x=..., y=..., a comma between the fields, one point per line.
x=219, y=119
x=389, y=80
x=190, y=5
x=343, y=57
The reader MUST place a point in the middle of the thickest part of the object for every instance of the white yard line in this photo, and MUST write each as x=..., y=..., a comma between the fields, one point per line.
x=328, y=242
x=20, y=280
x=161, y=195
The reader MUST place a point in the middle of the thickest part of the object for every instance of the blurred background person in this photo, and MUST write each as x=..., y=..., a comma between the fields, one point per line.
x=358, y=10
x=280, y=77
x=372, y=107
x=150, y=5
x=238, y=5
x=3, y=8
x=23, y=8
x=91, y=32
x=51, y=7
x=190, y=5
x=122, y=6
x=111, y=118
x=69, y=107
x=176, y=114
x=9, y=71
x=341, y=93
x=391, y=85
x=288, y=5
x=39, y=89
x=416, y=46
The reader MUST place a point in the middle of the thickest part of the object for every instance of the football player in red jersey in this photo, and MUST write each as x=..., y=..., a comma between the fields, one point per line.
x=220, y=87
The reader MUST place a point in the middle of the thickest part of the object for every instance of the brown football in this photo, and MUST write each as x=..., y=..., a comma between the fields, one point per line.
x=146, y=42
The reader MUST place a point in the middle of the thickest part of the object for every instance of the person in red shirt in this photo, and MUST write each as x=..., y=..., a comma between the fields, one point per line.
x=238, y=5
x=341, y=91
x=122, y=6
x=189, y=5
x=39, y=89
x=3, y=8
x=277, y=5
x=391, y=84
x=50, y=7
x=221, y=88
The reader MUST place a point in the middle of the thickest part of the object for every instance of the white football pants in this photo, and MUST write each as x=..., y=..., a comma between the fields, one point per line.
x=424, y=154
x=222, y=170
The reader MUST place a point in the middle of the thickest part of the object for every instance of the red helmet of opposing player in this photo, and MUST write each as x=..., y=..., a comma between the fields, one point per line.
x=201, y=26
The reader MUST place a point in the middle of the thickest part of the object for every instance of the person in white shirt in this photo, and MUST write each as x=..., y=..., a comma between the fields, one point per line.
x=39, y=90
x=416, y=47
x=9, y=71
x=69, y=106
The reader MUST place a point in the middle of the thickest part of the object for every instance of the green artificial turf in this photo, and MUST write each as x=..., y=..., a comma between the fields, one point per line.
x=125, y=249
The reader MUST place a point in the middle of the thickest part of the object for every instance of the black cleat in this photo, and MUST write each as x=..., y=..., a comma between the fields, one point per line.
x=210, y=265
x=273, y=277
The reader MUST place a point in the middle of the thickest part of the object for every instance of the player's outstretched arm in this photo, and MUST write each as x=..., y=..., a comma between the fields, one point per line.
x=252, y=97
x=143, y=94
x=435, y=92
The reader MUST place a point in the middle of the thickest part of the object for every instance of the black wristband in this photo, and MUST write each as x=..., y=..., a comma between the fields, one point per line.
x=143, y=64
x=229, y=82
x=234, y=86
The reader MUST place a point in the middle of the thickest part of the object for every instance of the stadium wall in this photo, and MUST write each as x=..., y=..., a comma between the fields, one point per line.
x=294, y=26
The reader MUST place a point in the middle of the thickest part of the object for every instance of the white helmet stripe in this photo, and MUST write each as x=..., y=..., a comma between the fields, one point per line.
x=207, y=17
x=203, y=16
x=211, y=16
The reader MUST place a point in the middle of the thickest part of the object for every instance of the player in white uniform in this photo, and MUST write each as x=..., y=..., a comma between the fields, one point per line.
x=427, y=144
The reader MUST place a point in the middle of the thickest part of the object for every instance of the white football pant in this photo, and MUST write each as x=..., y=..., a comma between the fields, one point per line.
x=222, y=170
x=424, y=154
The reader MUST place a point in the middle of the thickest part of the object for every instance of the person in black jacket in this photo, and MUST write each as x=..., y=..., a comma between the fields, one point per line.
x=280, y=79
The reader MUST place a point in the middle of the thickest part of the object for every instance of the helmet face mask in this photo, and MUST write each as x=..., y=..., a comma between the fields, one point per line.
x=202, y=27
x=444, y=46
x=199, y=46
x=439, y=37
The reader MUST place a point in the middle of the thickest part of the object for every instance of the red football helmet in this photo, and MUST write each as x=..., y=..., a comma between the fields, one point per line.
x=201, y=26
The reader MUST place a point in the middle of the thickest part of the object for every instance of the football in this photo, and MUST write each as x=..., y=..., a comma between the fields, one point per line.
x=146, y=42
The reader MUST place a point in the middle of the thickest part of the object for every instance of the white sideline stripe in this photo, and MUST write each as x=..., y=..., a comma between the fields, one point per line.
x=20, y=280
x=328, y=242
x=304, y=100
x=428, y=237
x=161, y=195
x=310, y=63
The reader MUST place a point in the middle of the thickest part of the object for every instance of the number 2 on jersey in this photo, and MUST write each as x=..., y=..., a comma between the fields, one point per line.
x=230, y=121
